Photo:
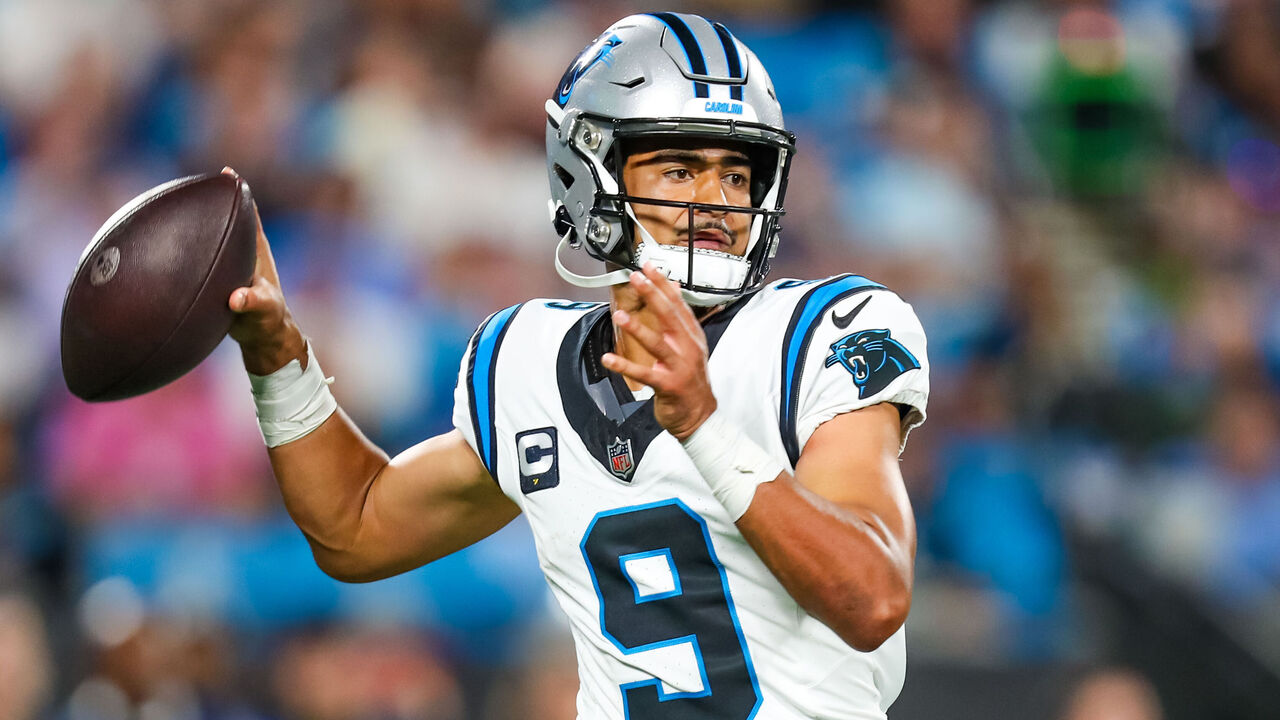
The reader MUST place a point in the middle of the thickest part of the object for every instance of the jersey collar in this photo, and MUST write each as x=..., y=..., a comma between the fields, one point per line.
x=597, y=402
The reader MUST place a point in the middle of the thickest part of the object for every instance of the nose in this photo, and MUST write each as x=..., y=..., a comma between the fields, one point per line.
x=708, y=189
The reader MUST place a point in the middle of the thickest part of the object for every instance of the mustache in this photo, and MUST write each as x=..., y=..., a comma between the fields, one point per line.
x=698, y=227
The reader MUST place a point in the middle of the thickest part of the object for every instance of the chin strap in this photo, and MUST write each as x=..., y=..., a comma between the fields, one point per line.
x=668, y=260
x=616, y=277
x=715, y=269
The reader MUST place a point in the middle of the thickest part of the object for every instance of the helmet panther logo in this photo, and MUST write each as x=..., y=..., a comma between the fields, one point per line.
x=873, y=358
x=598, y=51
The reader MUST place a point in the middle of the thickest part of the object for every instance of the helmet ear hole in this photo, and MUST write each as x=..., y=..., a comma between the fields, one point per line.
x=565, y=177
x=563, y=224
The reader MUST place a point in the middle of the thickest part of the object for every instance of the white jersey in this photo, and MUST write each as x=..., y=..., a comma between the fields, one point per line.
x=673, y=615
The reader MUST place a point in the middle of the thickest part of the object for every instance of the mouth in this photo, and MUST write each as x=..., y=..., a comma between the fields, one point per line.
x=712, y=239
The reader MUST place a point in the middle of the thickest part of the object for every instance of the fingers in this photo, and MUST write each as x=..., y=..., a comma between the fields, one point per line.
x=634, y=370
x=646, y=283
x=263, y=293
x=660, y=295
x=677, y=344
x=664, y=297
x=650, y=339
x=677, y=371
x=242, y=300
x=257, y=297
x=239, y=300
x=266, y=264
x=662, y=282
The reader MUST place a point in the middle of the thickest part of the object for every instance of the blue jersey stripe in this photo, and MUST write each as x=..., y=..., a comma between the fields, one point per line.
x=481, y=375
x=692, y=50
x=471, y=371
x=804, y=321
x=731, y=57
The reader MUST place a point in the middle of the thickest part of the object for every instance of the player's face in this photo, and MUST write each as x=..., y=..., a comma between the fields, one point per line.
x=701, y=173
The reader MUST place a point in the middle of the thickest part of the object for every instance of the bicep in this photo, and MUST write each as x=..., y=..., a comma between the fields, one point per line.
x=852, y=461
x=429, y=501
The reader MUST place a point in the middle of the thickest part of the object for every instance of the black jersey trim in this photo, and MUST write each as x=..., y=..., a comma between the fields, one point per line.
x=590, y=337
x=596, y=430
x=715, y=325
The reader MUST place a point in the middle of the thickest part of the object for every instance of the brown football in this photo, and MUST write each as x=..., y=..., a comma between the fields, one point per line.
x=148, y=300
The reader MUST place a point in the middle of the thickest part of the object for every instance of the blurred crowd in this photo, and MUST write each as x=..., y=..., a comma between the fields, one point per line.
x=1079, y=197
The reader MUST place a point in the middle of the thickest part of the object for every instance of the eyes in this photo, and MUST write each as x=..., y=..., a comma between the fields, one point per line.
x=731, y=178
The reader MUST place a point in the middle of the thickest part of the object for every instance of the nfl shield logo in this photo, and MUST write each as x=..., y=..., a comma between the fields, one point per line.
x=620, y=458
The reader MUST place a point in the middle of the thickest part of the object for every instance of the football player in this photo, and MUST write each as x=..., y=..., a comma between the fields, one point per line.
x=708, y=462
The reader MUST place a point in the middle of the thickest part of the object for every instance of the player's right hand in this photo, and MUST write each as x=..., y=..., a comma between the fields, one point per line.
x=263, y=325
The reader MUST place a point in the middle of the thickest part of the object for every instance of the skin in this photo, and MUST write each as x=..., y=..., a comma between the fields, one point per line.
x=839, y=535
x=713, y=175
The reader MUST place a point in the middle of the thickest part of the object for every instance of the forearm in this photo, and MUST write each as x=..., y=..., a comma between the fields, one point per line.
x=365, y=515
x=368, y=517
x=846, y=570
x=325, y=478
x=326, y=474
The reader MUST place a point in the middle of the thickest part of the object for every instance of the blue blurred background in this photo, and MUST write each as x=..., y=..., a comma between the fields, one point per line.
x=1080, y=198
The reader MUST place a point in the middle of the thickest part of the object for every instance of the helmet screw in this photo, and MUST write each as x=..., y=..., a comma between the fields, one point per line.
x=598, y=230
x=590, y=136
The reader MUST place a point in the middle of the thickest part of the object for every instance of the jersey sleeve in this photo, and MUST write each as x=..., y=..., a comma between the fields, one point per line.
x=474, y=409
x=463, y=407
x=863, y=348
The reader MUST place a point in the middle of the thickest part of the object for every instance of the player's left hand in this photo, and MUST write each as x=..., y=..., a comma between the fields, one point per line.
x=678, y=376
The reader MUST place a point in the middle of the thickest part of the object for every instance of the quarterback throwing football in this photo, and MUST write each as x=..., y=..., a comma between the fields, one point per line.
x=708, y=462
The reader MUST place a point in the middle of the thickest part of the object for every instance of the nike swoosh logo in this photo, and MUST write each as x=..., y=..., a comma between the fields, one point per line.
x=842, y=321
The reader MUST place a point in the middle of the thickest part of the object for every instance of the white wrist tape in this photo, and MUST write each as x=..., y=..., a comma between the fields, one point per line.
x=730, y=462
x=292, y=402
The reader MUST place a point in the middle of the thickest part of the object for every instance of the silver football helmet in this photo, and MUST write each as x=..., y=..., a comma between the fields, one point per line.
x=660, y=75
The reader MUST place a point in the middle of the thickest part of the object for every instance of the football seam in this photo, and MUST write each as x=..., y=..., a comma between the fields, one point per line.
x=222, y=245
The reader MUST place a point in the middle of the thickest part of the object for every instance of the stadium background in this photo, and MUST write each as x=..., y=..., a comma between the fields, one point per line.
x=1079, y=198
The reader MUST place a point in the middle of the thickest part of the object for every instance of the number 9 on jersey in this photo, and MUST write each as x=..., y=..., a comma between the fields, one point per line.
x=660, y=585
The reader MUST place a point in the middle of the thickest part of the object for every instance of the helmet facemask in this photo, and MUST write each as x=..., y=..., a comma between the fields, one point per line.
x=650, y=79
x=616, y=236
